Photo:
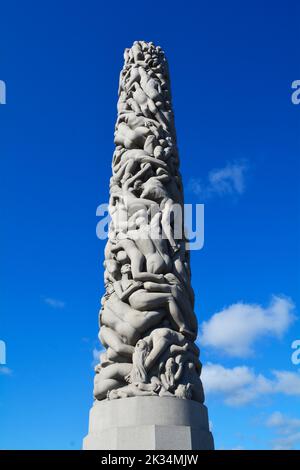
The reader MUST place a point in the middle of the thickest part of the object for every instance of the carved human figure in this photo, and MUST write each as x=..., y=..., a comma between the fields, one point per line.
x=151, y=347
x=110, y=377
x=141, y=299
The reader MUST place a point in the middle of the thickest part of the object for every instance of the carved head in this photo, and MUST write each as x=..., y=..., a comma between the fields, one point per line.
x=184, y=391
x=141, y=345
x=170, y=365
x=122, y=256
x=126, y=268
x=137, y=186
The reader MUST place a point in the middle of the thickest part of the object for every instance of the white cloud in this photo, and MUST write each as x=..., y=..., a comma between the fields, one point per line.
x=236, y=328
x=237, y=386
x=54, y=303
x=96, y=354
x=5, y=370
x=221, y=181
x=286, y=442
x=241, y=385
x=282, y=422
x=287, y=382
x=287, y=429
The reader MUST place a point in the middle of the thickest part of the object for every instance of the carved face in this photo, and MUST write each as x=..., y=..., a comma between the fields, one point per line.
x=141, y=345
x=126, y=268
x=137, y=185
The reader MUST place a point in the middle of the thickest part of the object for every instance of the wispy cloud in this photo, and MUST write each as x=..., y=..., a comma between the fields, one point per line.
x=235, y=329
x=287, y=430
x=240, y=385
x=282, y=422
x=287, y=382
x=54, y=303
x=229, y=180
x=5, y=370
x=96, y=355
x=287, y=442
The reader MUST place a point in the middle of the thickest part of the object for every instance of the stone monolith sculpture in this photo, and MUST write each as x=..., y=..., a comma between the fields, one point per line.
x=147, y=387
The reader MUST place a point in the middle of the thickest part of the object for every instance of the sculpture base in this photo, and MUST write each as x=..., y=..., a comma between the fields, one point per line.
x=148, y=423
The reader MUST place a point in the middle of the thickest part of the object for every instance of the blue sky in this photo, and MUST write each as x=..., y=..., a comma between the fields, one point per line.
x=232, y=65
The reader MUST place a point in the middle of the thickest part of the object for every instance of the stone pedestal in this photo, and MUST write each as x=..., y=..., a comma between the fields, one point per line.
x=148, y=423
